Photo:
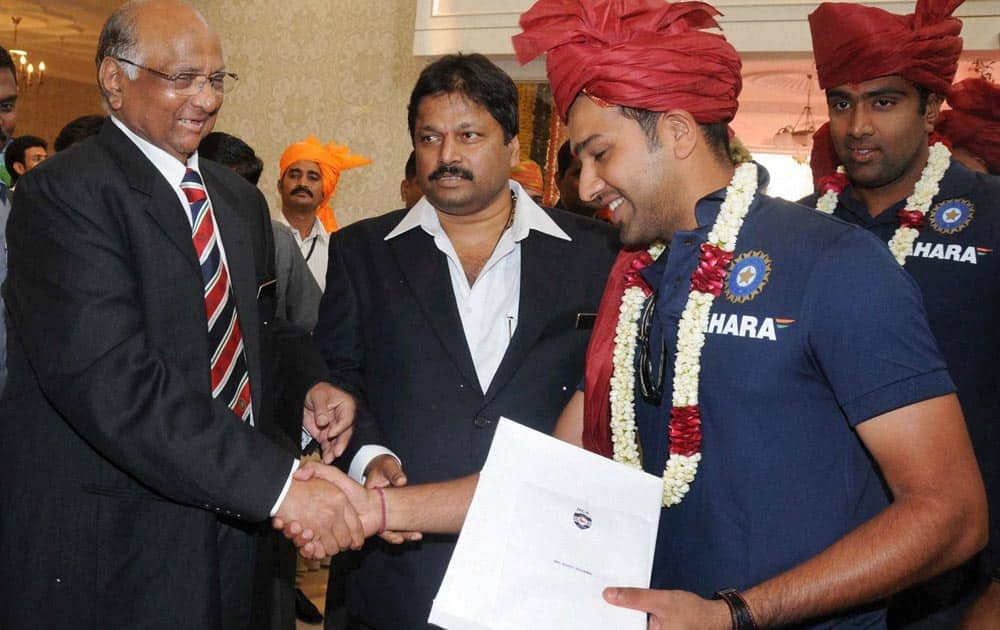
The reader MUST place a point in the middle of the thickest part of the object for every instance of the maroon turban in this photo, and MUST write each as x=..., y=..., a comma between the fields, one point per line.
x=973, y=121
x=853, y=43
x=646, y=54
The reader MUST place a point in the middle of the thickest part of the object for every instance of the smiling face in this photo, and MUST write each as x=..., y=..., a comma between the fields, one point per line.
x=620, y=170
x=880, y=133
x=172, y=38
x=463, y=164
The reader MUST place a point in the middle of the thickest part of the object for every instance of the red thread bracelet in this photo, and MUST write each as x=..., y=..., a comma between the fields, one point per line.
x=381, y=495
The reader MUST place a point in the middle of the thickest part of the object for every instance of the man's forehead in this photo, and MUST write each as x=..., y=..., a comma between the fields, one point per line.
x=893, y=83
x=586, y=121
x=304, y=166
x=179, y=38
x=8, y=87
x=454, y=103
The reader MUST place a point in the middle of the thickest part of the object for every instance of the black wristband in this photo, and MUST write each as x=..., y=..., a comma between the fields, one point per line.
x=738, y=608
x=995, y=576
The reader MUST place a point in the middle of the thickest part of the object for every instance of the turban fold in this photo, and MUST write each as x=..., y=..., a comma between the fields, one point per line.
x=332, y=159
x=853, y=43
x=646, y=54
x=973, y=121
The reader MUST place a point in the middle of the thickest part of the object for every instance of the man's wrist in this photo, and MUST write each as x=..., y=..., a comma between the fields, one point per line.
x=739, y=610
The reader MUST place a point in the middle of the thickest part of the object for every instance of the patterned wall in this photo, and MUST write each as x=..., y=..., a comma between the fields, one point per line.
x=341, y=70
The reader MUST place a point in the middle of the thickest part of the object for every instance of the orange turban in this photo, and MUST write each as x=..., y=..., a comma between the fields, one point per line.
x=332, y=159
x=646, y=54
x=529, y=174
x=853, y=43
x=973, y=121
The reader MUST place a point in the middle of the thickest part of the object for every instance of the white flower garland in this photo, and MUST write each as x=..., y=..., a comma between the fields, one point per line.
x=680, y=469
x=901, y=243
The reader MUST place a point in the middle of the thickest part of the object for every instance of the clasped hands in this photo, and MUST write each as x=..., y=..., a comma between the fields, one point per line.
x=326, y=512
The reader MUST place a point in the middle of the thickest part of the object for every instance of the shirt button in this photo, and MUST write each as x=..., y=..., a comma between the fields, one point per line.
x=687, y=242
x=481, y=421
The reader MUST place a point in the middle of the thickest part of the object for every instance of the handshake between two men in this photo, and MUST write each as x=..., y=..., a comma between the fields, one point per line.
x=325, y=511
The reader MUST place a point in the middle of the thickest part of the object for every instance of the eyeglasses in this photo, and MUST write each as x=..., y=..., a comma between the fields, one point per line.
x=650, y=379
x=188, y=83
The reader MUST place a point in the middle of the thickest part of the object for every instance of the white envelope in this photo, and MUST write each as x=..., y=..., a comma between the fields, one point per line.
x=550, y=526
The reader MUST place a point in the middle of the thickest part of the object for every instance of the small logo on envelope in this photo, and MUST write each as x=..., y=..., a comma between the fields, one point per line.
x=582, y=519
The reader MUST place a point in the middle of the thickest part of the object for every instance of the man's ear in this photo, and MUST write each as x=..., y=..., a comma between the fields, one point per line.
x=515, y=151
x=18, y=168
x=110, y=78
x=678, y=130
x=932, y=111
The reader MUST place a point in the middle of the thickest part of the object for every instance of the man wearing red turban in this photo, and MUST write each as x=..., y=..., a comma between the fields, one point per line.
x=773, y=366
x=309, y=176
x=972, y=125
x=646, y=93
x=885, y=77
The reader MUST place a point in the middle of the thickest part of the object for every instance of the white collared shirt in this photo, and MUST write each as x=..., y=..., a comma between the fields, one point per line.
x=488, y=308
x=173, y=171
x=315, y=248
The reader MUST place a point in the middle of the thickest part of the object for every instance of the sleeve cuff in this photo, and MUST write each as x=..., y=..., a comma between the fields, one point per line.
x=284, y=490
x=364, y=456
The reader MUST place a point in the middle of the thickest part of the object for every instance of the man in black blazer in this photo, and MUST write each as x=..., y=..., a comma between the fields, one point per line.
x=140, y=512
x=471, y=305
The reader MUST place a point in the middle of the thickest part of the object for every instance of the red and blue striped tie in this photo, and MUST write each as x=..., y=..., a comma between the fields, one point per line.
x=230, y=380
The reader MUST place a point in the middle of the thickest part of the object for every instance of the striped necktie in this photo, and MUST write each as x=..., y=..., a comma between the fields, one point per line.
x=230, y=380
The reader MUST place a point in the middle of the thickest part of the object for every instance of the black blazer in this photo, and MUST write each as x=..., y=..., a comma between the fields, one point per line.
x=116, y=463
x=390, y=329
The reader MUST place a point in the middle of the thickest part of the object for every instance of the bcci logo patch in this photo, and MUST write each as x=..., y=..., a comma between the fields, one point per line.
x=748, y=276
x=582, y=519
x=952, y=216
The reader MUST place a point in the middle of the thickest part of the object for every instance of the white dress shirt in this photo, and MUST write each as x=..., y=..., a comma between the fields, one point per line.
x=489, y=307
x=173, y=171
x=315, y=248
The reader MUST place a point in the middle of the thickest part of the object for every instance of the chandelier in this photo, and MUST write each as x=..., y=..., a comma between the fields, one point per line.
x=26, y=73
x=798, y=137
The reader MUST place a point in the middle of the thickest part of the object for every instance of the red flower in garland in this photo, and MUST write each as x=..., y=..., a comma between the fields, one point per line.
x=685, y=430
x=911, y=218
x=633, y=277
x=710, y=274
x=836, y=182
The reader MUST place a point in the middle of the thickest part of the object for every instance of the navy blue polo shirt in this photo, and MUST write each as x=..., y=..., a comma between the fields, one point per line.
x=817, y=330
x=956, y=263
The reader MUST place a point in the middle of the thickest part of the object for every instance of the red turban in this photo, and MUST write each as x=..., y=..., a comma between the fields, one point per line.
x=973, y=121
x=646, y=54
x=331, y=159
x=853, y=43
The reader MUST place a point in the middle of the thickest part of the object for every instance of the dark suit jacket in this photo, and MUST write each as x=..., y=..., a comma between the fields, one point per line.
x=118, y=467
x=390, y=329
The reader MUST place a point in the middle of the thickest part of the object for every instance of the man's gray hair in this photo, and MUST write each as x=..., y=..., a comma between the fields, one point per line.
x=120, y=39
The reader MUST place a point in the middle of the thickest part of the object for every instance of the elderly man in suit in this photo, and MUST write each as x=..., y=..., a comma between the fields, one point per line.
x=468, y=306
x=143, y=348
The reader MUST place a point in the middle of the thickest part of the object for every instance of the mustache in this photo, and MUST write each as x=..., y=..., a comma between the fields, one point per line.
x=299, y=189
x=450, y=171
